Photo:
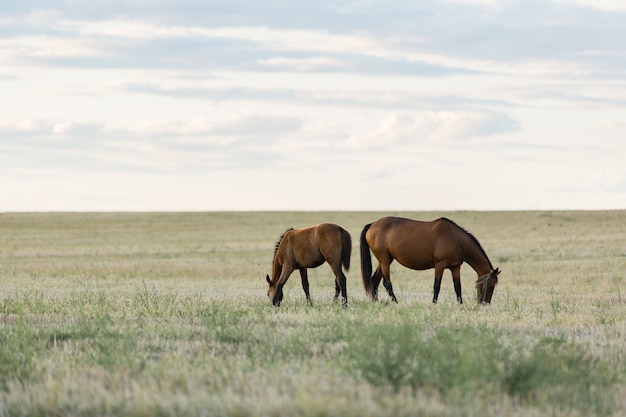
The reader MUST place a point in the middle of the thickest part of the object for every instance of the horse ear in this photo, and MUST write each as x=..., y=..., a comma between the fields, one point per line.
x=269, y=281
x=497, y=271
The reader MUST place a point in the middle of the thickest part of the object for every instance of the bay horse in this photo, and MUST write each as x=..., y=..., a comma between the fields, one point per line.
x=439, y=244
x=310, y=247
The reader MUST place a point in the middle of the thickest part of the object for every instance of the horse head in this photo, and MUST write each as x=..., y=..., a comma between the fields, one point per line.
x=271, y=291
x=485, y=286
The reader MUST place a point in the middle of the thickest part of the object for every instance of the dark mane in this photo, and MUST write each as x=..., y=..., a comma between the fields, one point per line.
x=473, y=238
x=280, y=239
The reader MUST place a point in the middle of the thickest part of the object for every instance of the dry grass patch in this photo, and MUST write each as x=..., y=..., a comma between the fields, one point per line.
x=166, y=314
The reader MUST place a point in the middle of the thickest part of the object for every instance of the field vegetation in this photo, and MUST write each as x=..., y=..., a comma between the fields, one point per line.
x=166, y=314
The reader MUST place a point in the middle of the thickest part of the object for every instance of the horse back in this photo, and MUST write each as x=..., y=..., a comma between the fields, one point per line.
x=309, y=247
x=412, y=243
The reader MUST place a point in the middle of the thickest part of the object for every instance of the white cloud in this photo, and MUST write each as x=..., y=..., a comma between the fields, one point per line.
x=236, y=128
x=303, y=64
x=21, y=126
x=605, y=5
x=43, y=46
x=271, y=38
x=34, y=128
x=441, y=126
x=78, y=129
x=475, y=2
x=202, y=144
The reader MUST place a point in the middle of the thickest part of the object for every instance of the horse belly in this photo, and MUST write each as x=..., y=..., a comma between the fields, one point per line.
x=413, y=257
x=416, y=263
x=310, y=259
x=312, y=263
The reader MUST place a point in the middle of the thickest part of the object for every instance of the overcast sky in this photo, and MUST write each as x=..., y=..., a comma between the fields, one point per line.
x=289, y=104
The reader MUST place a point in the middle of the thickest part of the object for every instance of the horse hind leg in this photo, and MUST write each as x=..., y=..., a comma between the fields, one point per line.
x=344, y=291
x=340, y=284
x=389, y=288
x=378, y=275
x=386, y=275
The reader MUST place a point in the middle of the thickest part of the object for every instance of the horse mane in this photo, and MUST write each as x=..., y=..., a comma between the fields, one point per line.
x=280, y=239
x=472, y=238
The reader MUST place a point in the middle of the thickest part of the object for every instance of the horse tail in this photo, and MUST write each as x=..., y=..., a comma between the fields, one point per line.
x=366, y=263
x=346, y=249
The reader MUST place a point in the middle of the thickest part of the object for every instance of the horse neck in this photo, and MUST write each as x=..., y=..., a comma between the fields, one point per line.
x=276, y=267
x=475, y=256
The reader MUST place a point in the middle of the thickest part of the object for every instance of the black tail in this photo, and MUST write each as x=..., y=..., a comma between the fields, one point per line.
x=366, y=264
x=346, y=249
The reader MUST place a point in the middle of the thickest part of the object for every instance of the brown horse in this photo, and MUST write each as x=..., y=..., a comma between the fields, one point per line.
x=309, y=248
x=439, y=244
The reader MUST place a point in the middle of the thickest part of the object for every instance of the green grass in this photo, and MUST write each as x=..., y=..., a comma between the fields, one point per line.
x=132, y=314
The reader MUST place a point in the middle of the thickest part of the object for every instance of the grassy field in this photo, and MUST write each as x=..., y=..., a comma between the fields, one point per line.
x=159, y=314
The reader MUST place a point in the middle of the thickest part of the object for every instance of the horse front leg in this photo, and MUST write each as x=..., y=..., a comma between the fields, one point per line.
x=280, y=283
x=437, y=285
x=456, y=278
x=305, y=284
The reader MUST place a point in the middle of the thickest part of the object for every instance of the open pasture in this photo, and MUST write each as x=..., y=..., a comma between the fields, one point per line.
x=159, y=314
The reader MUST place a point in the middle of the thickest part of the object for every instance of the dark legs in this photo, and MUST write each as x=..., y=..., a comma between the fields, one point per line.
x=280, y=283
x=278, y=295
x=340, y=287
x=437, y=285
x=340, y=283
x=456, y=278
x=344, y=291
x=305, y=284
x=382, y=272
x=389, y=288
x=378, y=275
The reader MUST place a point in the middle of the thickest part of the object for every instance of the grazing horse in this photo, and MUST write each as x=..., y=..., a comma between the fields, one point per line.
x=309, y=248
x=439, y=244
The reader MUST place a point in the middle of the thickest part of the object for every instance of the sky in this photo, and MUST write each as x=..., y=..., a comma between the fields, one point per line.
x=176, y=105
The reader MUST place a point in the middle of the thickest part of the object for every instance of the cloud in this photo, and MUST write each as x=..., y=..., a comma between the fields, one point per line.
x=248, y=124
x=437, y=38
x=604, y=5
x=368, y=94
x=305, y=64
x=270, y=38
x=475, y=2
x=34, y=128
x=241, y=124
x=436, y=126
x=202, y=144
x=25, y=126
x=234, y=129
x=78, y=129
x=133, y=42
